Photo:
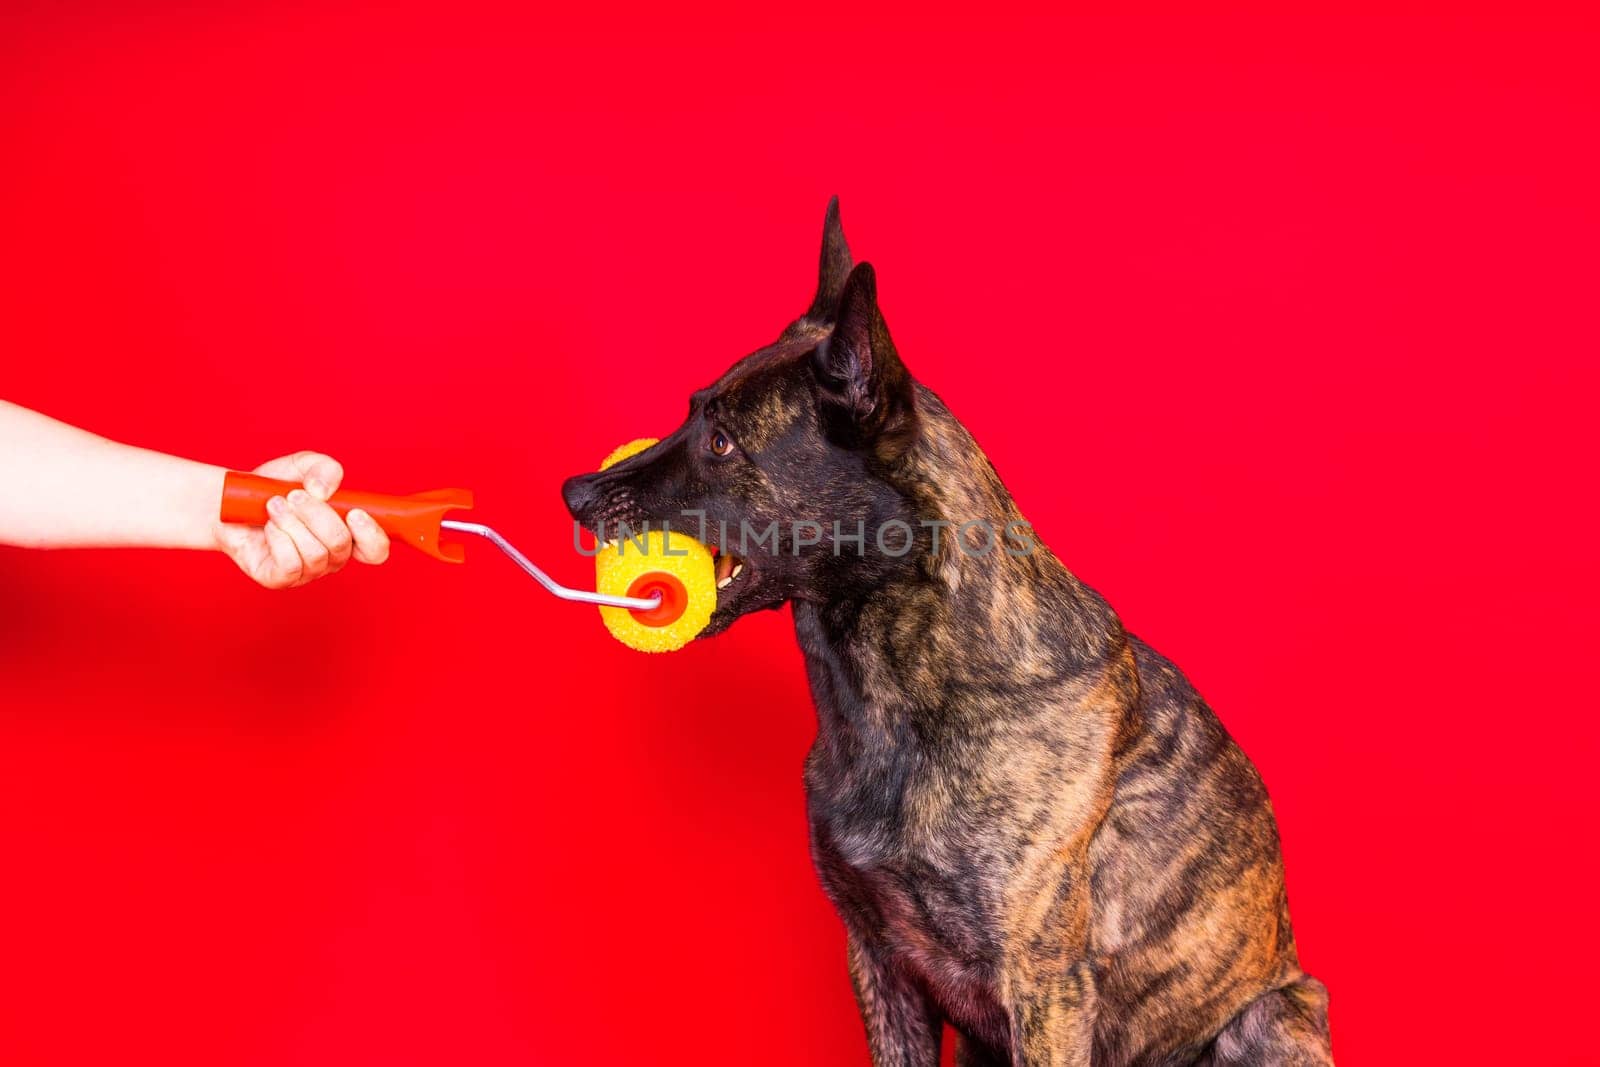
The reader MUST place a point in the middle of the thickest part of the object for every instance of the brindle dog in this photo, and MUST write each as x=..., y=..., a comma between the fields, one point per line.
x=1032, y=825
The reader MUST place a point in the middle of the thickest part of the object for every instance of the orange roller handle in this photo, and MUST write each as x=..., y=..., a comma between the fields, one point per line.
x=412, y=519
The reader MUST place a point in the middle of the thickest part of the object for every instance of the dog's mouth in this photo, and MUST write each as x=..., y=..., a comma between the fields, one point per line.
x=730, y=568
x=740, y=590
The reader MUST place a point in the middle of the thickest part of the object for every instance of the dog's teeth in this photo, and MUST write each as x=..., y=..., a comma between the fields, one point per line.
x=737, y=567
x=725, y=582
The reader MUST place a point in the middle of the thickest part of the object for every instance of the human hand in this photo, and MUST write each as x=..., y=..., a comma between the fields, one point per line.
x=304, y=537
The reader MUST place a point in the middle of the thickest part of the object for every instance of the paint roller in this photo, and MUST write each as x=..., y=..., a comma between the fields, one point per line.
x=655, y=591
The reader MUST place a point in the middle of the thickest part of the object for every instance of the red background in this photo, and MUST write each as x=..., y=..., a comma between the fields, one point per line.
x=1282, y=331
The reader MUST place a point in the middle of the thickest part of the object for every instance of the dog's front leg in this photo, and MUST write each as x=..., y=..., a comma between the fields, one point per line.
x=1052, y=1018
x=904, y=1027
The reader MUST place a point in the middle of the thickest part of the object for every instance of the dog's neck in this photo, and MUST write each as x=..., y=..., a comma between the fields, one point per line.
x=959, y=618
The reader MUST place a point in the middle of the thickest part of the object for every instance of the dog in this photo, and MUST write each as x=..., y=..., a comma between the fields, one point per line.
x=1031, y=824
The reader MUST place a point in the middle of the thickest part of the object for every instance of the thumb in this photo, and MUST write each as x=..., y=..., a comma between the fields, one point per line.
x=320, y=474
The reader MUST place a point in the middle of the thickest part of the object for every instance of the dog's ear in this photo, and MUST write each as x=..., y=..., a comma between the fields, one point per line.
x=866, y=395
x=833, y=269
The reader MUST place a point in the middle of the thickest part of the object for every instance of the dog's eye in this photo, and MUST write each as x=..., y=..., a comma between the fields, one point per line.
x=720, y=443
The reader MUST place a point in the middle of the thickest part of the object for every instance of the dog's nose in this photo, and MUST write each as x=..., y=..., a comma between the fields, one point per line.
x=579, y=493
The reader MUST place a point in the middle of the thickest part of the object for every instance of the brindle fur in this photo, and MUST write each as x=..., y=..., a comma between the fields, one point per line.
x=1031, y=824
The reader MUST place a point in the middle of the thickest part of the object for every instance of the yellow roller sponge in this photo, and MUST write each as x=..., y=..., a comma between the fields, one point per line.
x=632, y=448
x=685, y=580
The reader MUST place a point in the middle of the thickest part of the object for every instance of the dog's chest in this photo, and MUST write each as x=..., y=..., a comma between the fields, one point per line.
x=925, y=897
x=909, y=874
x=914, y=861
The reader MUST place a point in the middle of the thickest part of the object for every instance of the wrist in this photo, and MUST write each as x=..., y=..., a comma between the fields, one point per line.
x=193, y=502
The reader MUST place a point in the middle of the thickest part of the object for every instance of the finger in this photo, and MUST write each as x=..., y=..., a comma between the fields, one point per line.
x=320, y=474
x=313, y=553
x=325, y=525
x=286, y=468
x=283, y=565
x=372, y=543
